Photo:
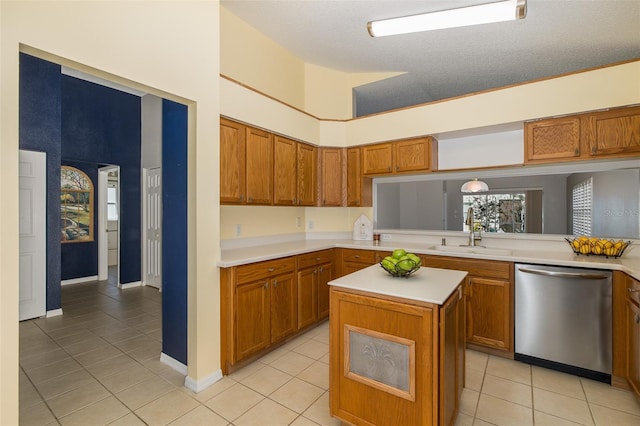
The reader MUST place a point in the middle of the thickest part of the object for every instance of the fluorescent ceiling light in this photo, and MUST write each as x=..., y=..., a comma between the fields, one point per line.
x=501, y=11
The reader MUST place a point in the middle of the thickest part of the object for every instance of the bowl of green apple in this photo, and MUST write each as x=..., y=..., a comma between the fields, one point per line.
x=401, y=263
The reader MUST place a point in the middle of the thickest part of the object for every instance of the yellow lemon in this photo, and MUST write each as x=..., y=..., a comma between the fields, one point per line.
x=597, y=249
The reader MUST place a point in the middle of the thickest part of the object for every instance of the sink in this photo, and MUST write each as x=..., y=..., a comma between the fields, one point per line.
x=473, y=249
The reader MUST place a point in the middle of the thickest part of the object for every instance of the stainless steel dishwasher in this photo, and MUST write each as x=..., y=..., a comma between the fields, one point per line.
x=563, y=319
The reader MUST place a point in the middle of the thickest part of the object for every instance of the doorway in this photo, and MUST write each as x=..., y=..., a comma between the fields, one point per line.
x=108, y=223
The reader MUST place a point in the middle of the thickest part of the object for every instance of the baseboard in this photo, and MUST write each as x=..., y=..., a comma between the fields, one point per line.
x=200, y=385
x=54, y=313
x=173, y=363
x=79, y=280
x=130, y=285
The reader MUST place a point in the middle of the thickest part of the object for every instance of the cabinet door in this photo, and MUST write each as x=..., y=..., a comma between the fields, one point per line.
x=412, y=155
x=613, y=133
x=450, y=377
x=325, y=274
x=259, y=167
x=354, y=178
x=252, y=318
x=232, y=162
x=285, y=159
x=552, y=139
x=307, y=297
x=283, y=306
x=307, y=174
x=331, y=176
x=633, y=347
x=488, y=312
x=377, y=159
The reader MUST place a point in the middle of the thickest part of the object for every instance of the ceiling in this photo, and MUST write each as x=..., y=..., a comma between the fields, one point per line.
x=556, y=37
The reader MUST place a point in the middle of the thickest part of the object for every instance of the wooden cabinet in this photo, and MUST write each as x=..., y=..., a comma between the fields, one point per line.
x=307, y=174
x=264, y=305
x=259, y=154
x=359, y=187
x=403, y=156
x=331, y=177
x=315, y=270
x=633, y=335
x=613, y=133
x=232, y=162
x=489, y=301
x=353, y=260
x=285, y=161
x=452, y=357
x=600, y=134
x=552, y=139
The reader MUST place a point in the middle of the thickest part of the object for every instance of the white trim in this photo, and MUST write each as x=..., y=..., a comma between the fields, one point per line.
x=54, y=313
x=79, y=280
x=129, y=285
x=173, y=363
x=200, y=385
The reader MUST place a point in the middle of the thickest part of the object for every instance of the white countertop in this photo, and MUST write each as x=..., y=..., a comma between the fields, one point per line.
x=538, y=255
x=431, y=285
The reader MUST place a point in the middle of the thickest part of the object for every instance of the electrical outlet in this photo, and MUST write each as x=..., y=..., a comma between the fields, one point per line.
x=238, y=230
x=310, y=224
x=386, y=237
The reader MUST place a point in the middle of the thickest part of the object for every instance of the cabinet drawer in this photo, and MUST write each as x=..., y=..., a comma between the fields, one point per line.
x=633, y=289
x=258, y=271
x=315, y=258
x=360, y=256
x=480, y=268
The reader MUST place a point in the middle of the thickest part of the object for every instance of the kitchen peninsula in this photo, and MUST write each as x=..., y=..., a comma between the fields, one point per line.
x=397, y=347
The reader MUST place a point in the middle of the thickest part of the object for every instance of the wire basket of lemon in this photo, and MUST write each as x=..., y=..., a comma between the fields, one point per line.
x=597, y=246
x=401, y=263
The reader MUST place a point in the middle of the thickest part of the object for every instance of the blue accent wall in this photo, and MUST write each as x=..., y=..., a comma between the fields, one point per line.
x=100, y=126
x=174, y=230
x=40, y=117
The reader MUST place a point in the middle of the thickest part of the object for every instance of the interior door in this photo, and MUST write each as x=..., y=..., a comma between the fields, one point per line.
x=32, y=228
x=153, y=239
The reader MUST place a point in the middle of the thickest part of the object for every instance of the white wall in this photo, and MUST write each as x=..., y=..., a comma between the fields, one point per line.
x=151, y=132
x=175, y=55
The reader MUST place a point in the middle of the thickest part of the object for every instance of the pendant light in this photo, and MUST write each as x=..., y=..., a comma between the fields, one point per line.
x=474, y=185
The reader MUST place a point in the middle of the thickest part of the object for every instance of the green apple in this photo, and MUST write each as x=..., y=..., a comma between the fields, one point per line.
x=415, y=258
x=405, y=264
x=388, y=265
x=391, y=259
x=398, y=253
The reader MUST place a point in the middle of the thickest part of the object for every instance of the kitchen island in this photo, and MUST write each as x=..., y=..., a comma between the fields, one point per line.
x=397, y=347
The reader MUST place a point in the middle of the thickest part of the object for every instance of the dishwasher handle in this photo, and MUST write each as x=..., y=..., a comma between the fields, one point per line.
x=577, y=275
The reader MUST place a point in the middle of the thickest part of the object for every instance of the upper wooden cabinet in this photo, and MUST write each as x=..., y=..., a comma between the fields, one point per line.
x=552, y=139
x=331, y=180
x=613, y=133
x=403, y=156
x=285, y=160
x=307, y=174
x=359, y=188
x=232, y=162
x=259, y=166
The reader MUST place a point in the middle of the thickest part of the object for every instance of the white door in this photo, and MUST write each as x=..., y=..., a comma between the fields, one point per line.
x=153, y=227
x=32, y=228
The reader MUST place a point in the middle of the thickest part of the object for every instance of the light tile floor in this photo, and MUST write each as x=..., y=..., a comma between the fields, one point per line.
x=99, y=364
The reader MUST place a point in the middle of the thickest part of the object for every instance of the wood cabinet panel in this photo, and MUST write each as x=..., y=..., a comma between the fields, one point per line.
x=476, y=267
x=633, y=347
x=307, y=297
x=451, y=361
x=367, y=257
x=307, y=174
x=285, y=177
x=283, y=308
x=325, y=274
x=331, y=182
x=412, y=155
x=315, y=258
x=377, y=159
x=232, y=162
x=354, y=178
x=263, y=270
x=488, y=312
x=613, y=133
x=259, y=166
x=252, y=318
x=552, y=139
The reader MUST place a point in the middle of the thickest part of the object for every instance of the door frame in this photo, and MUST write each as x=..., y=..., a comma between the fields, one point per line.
x=103, y=236
x=144, y=227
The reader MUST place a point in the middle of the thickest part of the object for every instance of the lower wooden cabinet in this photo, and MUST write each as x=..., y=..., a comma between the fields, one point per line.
x=353, y=260
x=315, y=270
x=489, y=301
x=633, y=336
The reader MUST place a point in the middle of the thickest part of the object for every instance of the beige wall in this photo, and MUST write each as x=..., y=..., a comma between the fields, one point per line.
x=175, y=52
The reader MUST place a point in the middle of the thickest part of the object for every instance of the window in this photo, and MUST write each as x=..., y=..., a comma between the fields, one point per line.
x=499, y=212
x=582, y=198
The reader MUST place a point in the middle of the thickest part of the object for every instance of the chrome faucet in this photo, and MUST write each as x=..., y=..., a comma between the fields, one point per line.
x=471, y=225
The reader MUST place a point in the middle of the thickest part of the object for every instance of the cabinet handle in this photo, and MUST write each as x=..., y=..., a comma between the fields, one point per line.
x=388, y=169
x=315, y=271
x=637, y=319
x=633, y=290
x=266, y=284
x=317, y=258
x=275, y=283
x=321, y=269
x=249, y=199
x=272, y=269
x=357, y=256
x=242, y=198
x=576, y=152
x=593, y=150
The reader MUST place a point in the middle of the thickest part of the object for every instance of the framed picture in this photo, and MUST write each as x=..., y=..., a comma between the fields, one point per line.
x=76, y=206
